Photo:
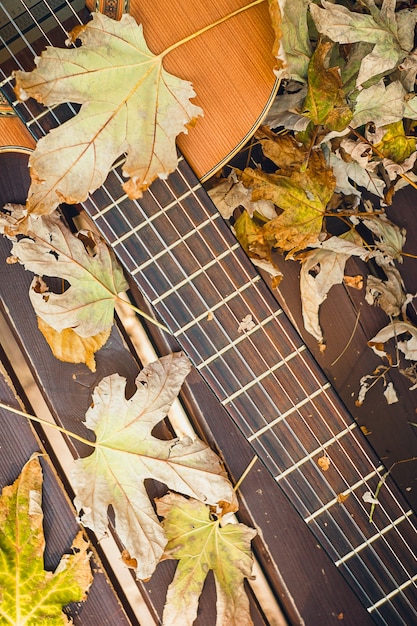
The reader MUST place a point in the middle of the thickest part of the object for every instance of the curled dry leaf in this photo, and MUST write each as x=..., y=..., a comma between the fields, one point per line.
x=202, y=542
x=325, y=102
x=395, y=330
x=388, y=294
x=320, y=270
x=87, y=306
x=230, y=193
x=28, y=593
x=129, y=104
x=126, y=454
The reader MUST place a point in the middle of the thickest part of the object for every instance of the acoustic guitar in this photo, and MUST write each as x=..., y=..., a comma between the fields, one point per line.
x=201, y=285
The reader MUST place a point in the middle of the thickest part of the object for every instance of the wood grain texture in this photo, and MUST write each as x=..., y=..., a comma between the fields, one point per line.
x=67, y=390
x=14, y=133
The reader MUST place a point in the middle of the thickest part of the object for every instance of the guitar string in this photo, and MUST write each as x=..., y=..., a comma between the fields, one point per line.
x=267, y=337
x=115, y=204
x=179, y=235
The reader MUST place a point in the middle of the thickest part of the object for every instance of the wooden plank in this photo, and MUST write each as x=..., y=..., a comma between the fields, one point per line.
x=67, y=388
x=18, y=441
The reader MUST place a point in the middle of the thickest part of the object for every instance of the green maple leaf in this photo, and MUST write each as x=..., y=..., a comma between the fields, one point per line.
x=392, y=33
x=201, y=543
x=126, y=454
x=325, y=102
x=129, y=104
x=29, y=595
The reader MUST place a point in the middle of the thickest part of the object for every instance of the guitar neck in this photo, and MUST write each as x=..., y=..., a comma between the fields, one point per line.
x=201, y=285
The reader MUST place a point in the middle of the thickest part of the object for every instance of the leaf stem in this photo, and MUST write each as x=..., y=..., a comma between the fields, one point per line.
x=245, y=473
x=209, y=27
x=383, y=480
x=143, y=314
x=39, y=420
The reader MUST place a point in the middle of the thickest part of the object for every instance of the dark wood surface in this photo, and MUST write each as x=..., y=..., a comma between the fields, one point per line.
x=389, y=427
x=304, y=579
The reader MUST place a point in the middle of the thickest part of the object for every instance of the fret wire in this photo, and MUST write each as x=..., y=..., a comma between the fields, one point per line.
x=387, y=485
x=283, y=416
x=377, y=472
x=194, y=275
x=393, y=593
x=310, y=457
x=374, y=538
x=238, y=340
x=213, y=309
x=166, y=182
x=158, y=255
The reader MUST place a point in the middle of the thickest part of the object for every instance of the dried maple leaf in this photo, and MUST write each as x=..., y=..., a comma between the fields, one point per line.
x=129, y=104
x=87, y=306
x=28, y=593
x=126, y=454
x=391, y=33
x=202, y=542
x=302, y=195
x=325, y=103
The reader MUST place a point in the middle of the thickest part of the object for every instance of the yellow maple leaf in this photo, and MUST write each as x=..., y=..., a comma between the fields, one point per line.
x=202, y=542
x=28, y=593
x=129, y=104
x=126, y=454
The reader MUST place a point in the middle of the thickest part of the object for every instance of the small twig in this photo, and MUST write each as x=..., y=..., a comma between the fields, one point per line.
x=39, y=420
x=383, y=480
x=245, y=473
x=349, y=340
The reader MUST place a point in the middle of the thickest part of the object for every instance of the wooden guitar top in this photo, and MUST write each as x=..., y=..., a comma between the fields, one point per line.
x=230, y=67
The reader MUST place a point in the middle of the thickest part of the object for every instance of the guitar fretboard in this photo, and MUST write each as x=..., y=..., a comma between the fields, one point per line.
x=202, y=286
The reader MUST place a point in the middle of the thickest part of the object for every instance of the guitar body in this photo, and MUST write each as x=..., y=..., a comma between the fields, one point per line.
x=183, y=258
x=230, y=67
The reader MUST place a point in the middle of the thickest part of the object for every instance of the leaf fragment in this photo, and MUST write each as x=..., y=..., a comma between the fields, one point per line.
x=29, y=594
x=294, y=51
x=129, y=103
x=395, y=329
x=201, y=543
x=126, y=454
x=69, y=347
